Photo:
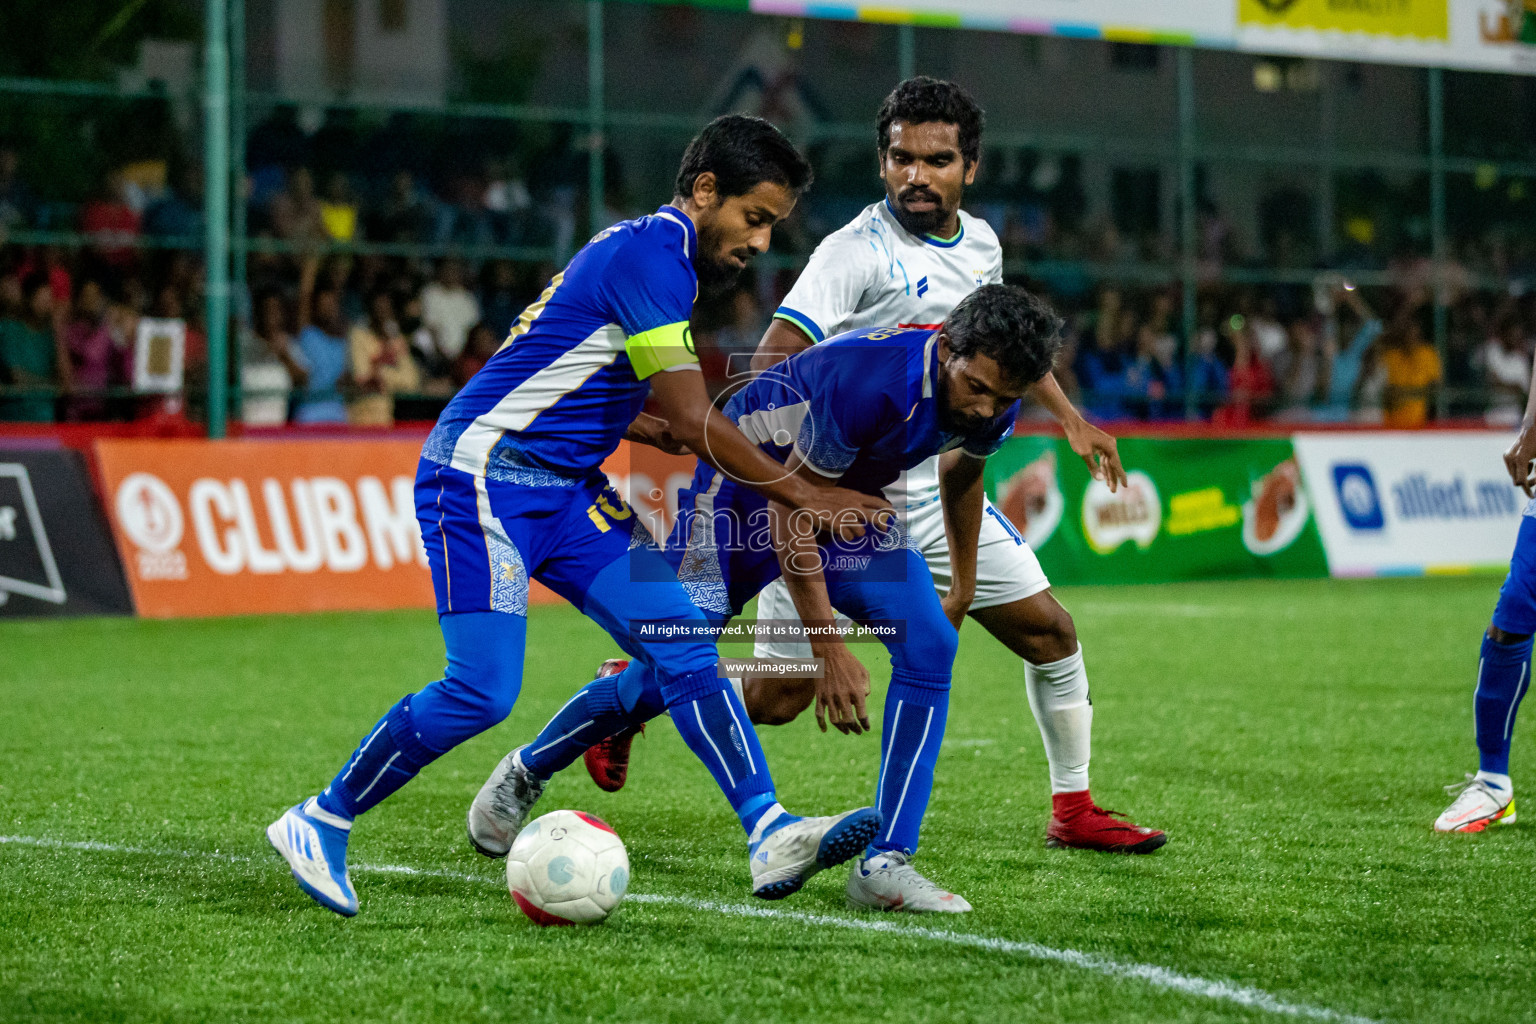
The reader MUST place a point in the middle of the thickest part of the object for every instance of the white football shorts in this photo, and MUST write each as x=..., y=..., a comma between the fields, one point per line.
x=1006, y=571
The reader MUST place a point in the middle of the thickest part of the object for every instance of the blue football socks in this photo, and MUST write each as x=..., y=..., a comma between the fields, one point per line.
x=388, y=758
x=604, y=707
x=715, y=726
x=916, y=710
x=1503, y=676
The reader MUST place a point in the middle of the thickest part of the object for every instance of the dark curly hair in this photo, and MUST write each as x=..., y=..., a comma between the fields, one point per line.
x=743, y=152
x=922, y=99
x=1012, y=326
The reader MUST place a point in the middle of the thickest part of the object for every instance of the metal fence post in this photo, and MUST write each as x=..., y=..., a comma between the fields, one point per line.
x=1189, y=253
x=237, y=123
x=1438, y=252
x=216, y=209
x=596, y=176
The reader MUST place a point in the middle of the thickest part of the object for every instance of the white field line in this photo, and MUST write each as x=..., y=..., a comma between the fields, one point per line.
x=1178, y=611
x=1158, y=977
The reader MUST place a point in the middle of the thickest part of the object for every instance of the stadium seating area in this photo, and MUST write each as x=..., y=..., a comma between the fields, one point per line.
x=373, y=203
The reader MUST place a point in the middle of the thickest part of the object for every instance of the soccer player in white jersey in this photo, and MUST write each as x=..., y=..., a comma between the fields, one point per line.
x=908, y=260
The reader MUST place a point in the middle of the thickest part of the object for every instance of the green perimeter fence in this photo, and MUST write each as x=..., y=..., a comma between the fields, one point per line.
x=226, y=101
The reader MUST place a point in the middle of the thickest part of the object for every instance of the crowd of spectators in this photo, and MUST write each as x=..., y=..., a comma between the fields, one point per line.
x=1329, y=353
x=348, y=341
x=388, y=334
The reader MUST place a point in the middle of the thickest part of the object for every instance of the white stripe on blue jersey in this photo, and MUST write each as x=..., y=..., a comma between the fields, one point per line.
x=555, y=400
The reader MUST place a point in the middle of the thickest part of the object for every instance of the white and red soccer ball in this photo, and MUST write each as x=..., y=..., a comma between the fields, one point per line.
x=567, y=867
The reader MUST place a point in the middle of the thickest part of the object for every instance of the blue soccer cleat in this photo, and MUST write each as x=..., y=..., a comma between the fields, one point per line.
x=790, y=850
x=314, y=843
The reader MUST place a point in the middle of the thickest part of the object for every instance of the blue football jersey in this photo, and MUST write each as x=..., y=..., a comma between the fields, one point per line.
x=555, y=400
x=863, y=407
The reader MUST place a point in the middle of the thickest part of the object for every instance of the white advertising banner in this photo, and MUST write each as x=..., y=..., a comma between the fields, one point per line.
x=1488, y=35
x=1399, y=503
x=1491, y=35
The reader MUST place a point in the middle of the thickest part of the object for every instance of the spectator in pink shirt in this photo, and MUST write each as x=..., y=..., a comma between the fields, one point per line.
x=98, y=361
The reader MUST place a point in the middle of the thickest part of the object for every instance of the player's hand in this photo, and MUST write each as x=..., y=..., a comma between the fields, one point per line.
x=956, y=604
x=1517, y=459
x=1099, y=450
x=662, y=438
x=842, y=691
x=845, y=513
x=656, y=432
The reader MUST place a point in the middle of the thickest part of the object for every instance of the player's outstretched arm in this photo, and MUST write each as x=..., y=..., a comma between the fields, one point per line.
x=1094, y=446
x=780, y=341
x=963, y=495
x=1517, y=458
x=843, y=688
x=709, y=435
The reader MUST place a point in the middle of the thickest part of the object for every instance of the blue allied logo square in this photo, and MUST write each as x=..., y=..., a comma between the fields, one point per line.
x=1358, y=497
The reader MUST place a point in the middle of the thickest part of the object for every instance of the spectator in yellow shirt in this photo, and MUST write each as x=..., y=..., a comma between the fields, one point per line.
x=1413, y=371
x=338, y=210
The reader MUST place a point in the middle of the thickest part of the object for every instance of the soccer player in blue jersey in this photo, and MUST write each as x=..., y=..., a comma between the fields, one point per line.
x=855, y=412
x=1504, y=665
x=510, y=488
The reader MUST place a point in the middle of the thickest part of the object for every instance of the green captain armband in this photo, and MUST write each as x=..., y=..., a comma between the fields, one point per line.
x=660, y=348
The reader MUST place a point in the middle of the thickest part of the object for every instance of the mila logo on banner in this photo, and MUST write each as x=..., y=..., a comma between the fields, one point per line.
x=313, y=523
x=1358, y=498
x=27, y=565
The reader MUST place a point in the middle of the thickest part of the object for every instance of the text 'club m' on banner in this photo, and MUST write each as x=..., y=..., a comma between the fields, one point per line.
x=233, y=527
x=237, y=527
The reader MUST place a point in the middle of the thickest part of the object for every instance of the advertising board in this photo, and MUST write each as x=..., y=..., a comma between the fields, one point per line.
x=246, y=527
x=1400, y=503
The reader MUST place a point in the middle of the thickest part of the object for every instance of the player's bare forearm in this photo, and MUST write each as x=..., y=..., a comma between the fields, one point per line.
x=843, y=688
x=693, y=422
x=800, y=565
x=780, y=341
x=794, y=541
x=963, y=496
x=1518, y=456
x=1094, y=446
x=1047, y=392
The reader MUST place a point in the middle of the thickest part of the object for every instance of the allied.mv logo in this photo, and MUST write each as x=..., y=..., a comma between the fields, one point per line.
x=1358, y=498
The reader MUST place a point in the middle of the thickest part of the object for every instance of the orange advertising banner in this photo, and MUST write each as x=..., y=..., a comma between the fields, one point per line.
x=245, y=527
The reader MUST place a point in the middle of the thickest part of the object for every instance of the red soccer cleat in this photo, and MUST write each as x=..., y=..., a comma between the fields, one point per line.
x=1077, y=823
x=608, y=761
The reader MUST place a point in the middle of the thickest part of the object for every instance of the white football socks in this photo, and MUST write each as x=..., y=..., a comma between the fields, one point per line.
x=1499, y=782
x=1058, y=696
x=737, y=685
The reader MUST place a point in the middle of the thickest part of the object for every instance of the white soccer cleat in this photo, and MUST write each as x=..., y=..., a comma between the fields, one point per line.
x=314, y=843
x=1476, y=807
x=498, y=811
x=889, y=882
x=791, y=850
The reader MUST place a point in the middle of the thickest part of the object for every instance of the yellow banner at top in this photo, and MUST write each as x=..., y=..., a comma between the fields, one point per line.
x=1421, y=19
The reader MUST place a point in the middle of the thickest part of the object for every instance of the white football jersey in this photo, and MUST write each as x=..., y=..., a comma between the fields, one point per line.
x=872, y=272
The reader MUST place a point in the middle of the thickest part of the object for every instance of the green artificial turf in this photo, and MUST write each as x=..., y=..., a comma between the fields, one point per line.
x=1291, y=737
